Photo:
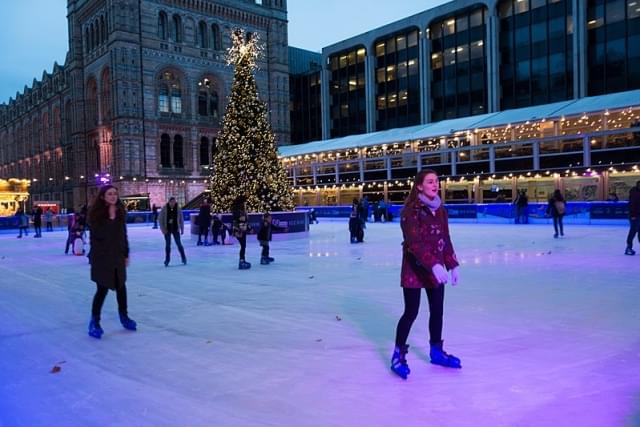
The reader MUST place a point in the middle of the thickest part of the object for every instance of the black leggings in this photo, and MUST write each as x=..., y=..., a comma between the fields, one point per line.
x=411, y=306
x=101, y=294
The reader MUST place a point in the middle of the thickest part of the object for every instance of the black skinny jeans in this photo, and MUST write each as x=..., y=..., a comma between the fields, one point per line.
x=203, y=231
x=557, y=222
x=265, y=248
x=411, y=306
x=243, y=245
x=634, y=228
x=167, y=246
x=101, y=294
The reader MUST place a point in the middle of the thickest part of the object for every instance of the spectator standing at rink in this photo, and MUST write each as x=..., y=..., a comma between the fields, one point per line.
x=204, y=222
x=427, y=255
x=37, y=221
x=48, y=219
x=154, y=215
x=523, y=207
x=634, y=218
x=23, y=223
x=109, y=256
x=556, y=208
x=172, y=224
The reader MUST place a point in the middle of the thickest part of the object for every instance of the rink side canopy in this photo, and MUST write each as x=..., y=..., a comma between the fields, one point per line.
x=588, y=148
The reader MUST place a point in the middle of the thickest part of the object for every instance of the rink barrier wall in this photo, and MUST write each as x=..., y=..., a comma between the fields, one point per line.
x=505, y=213
x=491, y=213
x=284, y=222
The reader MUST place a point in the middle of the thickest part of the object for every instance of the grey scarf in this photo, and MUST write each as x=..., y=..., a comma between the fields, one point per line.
x=431, y=204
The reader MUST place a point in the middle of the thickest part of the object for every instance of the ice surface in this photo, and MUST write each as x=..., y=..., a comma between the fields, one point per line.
x=548, y=331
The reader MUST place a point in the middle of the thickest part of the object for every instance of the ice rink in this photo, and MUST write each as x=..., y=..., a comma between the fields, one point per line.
x=548, y=331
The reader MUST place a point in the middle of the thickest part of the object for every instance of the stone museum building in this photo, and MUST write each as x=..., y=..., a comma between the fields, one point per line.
x=139, y=99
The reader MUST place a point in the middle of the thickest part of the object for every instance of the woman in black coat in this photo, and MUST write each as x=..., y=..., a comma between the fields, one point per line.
x=109, y=256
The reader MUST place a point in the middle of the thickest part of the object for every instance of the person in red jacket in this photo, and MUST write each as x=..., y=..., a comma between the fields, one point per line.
x=634, y=218
x=426, y=257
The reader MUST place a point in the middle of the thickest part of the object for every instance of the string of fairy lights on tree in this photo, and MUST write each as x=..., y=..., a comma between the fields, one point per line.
x=246, y=162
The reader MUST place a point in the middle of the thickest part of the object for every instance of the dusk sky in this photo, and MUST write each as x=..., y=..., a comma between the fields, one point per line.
x=34, y=32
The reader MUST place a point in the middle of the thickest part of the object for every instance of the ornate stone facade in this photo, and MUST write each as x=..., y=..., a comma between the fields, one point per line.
x=140, y=98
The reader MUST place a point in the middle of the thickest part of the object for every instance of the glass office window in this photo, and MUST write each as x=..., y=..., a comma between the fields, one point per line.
x=347, y=92
x=458, y=65
x=536, y=50
x=613, y=52
x=397, y=80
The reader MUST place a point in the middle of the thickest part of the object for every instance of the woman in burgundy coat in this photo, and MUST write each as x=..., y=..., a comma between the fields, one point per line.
x=427, y=255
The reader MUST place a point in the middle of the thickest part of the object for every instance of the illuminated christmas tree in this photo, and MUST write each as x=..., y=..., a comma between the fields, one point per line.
x=246, y=162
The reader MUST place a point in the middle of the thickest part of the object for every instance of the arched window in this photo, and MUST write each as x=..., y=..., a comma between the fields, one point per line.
x=93, y=36
x=207, y=99
x=169, y=94
x=204, y=151
x=46, y=142
x=87, y=40
x=176, y=29
x=178, y=160
x=203, y=35
x=162, y=25
x=105, y=95
x=92, y=103
x=103, y=30
x=98, y=34
x=56, y=126
x=165, y=151
x=215, y=35
x=163, y=99
x=67, y=120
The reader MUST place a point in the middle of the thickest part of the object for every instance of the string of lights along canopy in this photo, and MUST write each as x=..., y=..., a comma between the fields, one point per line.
x=246, y=162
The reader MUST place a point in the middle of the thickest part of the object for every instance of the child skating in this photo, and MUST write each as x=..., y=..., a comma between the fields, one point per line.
x=427, y=255
x=264, y=237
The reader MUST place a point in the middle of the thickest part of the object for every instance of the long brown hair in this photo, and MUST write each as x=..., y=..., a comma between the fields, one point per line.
x=98, y=211
x=419, y=179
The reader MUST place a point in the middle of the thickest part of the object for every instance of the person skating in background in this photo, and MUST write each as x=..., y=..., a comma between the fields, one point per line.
x=37, y=221
x=72, y=223
x=426, y=256
x=240, y=228
x=523, y=207
x=48, y=219
x=364, y=211
x=556, y=208
x=356, y=223
x=109, y=256
x=154, y=215
x=204, y=222
x=264, y=237
x=172, y=224
x=216, y=228
x=356, y=231
x=634, y=218
x=23, y=223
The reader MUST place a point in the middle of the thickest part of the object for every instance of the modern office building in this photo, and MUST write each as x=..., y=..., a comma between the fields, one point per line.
x=305, y=69
x=139, y=98
x=531, y=92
